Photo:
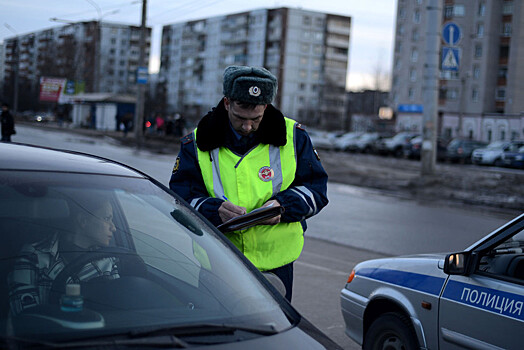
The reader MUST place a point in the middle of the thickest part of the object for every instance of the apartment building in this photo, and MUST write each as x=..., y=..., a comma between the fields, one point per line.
x=98, y=56
x=306, y=50
x=481, y=76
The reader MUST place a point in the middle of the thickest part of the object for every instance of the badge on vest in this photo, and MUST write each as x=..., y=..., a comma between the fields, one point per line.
x=266, y=174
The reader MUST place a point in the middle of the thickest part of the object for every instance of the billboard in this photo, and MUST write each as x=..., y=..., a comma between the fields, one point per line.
x=51, y=88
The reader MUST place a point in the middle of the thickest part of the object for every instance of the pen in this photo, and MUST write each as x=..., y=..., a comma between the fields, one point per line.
x=225, y=198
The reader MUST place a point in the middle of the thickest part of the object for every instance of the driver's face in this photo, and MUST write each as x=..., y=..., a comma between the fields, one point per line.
x=99, y=229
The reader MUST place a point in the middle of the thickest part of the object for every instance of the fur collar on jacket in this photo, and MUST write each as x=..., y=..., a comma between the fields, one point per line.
x=213, y=128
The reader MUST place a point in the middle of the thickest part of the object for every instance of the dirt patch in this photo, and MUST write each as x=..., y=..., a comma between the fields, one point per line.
x=469, y=184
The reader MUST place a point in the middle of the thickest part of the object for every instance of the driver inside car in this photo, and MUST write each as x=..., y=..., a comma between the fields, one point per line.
x=41, y=262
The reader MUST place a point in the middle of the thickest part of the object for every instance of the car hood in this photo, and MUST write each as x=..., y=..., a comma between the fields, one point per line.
x=421, y=264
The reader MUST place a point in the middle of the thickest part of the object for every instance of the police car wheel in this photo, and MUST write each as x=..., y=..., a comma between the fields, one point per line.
x=390, y=331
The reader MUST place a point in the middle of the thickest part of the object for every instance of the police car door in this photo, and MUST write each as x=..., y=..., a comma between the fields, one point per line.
x=484, y=309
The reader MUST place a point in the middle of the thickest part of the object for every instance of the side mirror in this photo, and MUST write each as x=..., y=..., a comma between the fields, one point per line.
x=276, y=282
x=459, y=263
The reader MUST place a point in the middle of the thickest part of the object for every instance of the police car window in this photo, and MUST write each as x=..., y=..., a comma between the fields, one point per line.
x=505, y=259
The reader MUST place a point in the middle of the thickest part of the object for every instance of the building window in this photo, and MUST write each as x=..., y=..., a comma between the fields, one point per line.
x=502, y=135
x=503, y=72
x=459, y=11
x=475, y=95
x=303, y=61
x=419, y=2
x=414, y=35
x=506, y=29
x=476, y=72
x=448, y=12
x=504, y=51
x=414, y=55
x=304, y=48
x=451, y=94
x=507, y=8
x=490, y=135
x=413, y=75
x=303, y=73
x=402, y=13
x=306, y=20
x=478, y=51
x=480, y=30
x=400, y=29
x=416, y=16
x=411, y=94
x=482, y=9
x=501, y=94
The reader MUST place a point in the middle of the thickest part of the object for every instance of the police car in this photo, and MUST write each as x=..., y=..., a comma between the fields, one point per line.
x=471, y=299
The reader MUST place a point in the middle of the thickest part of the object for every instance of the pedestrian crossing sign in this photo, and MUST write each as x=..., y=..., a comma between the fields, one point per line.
x=450, y=58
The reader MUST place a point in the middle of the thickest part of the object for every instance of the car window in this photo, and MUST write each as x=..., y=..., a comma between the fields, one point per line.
x=505, y=259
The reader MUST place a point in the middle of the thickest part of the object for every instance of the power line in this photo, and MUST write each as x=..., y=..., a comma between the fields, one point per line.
x=125, y=4
x=192, y=8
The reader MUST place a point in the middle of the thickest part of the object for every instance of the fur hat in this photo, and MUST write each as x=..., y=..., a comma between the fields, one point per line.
x=250, y=84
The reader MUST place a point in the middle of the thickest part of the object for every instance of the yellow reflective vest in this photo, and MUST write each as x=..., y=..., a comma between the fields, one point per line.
x=250, y=181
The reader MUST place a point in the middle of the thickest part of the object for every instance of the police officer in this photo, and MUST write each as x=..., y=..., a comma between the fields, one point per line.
x=244, y=154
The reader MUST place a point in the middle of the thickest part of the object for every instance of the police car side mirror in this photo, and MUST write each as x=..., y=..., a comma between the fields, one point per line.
x=459, y=263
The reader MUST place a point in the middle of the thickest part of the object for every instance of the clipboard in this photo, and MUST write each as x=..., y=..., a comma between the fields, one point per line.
x=251, y=219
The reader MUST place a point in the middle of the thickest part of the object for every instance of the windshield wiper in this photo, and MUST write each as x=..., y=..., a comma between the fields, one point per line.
x=204, y=329
x=164, y=341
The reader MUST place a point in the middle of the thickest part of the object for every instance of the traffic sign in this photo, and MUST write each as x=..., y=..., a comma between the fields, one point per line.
x=451, y=34
x=141, y=75
x=450, y=58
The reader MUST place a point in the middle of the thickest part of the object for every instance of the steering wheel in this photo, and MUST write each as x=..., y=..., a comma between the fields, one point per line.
x=129, y=263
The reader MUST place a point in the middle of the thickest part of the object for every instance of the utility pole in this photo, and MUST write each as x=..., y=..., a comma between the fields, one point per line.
x=139, y=108
x=430, y=88
x=16, y=68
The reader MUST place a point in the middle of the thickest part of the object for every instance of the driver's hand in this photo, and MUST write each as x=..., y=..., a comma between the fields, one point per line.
x=228, y=210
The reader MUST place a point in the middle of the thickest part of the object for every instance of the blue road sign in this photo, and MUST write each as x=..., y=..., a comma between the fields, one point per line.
x=410, y=108
x=141, y=75
x=451, y=33
x=450, y=58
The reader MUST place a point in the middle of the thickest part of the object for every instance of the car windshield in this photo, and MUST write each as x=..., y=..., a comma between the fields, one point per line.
x=496, y=144
x=136, y=256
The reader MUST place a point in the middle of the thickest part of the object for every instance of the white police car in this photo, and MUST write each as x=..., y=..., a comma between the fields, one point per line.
x=472, y=299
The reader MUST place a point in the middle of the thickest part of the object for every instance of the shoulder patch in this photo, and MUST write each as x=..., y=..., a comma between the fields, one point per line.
x=187, y=139
x=300, y=126
x=177, y=165
x=316, y=153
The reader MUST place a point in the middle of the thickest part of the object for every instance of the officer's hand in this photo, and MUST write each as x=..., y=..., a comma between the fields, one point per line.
x=276, y=219
x=228, y=211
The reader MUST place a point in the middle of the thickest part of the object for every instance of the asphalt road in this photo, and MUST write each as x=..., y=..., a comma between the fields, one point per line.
x=357, y=225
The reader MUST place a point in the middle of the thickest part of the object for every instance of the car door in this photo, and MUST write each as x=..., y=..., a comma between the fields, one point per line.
x=484, y=310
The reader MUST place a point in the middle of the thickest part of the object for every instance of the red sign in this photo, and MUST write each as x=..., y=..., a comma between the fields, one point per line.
x=51, y=88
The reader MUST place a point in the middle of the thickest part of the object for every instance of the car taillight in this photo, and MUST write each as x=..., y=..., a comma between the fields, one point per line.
x=351, y=276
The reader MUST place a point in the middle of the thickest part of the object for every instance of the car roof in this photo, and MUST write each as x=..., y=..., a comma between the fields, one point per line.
x=35, y=158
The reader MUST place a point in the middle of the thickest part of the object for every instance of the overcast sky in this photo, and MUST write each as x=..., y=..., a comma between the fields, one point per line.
x=372, y=29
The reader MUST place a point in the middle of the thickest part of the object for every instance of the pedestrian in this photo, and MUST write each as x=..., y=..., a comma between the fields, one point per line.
x=8, y=123
x=244, y=154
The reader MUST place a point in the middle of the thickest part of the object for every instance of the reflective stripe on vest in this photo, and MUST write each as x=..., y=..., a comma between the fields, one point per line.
x=250, y=181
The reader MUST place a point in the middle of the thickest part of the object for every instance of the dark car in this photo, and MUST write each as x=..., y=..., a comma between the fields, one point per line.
x=460, y=150
x=514, y=159
x=412, y=149
x=99, y=255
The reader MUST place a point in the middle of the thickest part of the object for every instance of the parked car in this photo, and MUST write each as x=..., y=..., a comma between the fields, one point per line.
x=514, y=159
x=321, y=139
x=395, y=145
x=364, y=142
x=460, y=150
x=343, y=142
x=492, y=154
x=412, y=149
x=471, y=299
x=174, y=281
